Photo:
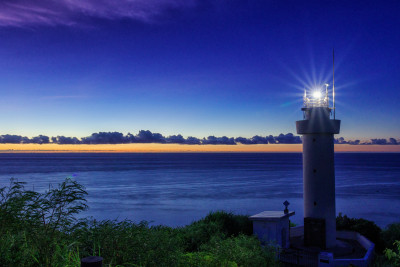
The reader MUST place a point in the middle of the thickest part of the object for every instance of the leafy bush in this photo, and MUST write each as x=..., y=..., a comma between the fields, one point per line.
x=390, y=234
x=197, y=259
x=392, y=255
x=199, y=233
x=220, y=223
x=126, y=243
x=241, y=250
x=14, y=250
x=35, y=226
x=232, y=225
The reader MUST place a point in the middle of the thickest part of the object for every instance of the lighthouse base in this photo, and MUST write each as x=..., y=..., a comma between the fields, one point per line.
x=315, y=232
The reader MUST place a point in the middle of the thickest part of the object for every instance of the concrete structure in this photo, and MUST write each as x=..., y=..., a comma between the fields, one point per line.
x=318, y=129
x=272, y=227
x=360, y=255
x=364, y=242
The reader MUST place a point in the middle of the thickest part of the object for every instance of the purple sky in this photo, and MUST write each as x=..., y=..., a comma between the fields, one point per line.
x=196, y=68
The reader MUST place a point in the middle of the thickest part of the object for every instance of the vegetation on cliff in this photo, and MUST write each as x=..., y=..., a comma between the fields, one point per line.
x=42, y=229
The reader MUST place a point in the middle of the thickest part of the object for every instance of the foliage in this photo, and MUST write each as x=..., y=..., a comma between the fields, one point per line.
x=390, y=234
x=197, y=259
x=231, y=225
x=219, y=223
x=392, y=255
x=381, y=261
x=14, y=203
x=126, y=243
x=35, y=226
x=41, y=229
x=241, y=250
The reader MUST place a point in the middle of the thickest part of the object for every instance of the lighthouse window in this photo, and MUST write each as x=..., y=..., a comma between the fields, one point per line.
x=314, y=139
x=315, y=170
x=315, y=203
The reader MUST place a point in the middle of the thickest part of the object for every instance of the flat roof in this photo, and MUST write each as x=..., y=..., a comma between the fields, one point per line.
x=271, y=215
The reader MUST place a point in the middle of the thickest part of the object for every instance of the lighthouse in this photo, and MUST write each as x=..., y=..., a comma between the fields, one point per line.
x=318, y=128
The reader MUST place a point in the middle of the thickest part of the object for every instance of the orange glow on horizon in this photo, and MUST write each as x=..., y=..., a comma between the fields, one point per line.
x=165, y=148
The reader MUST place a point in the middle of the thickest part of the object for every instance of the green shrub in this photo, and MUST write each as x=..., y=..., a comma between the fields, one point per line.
x=381, y=261
x=390, y=234
x=220, y=223
x=394, y=255
x=241, y=250
x=126, y=243
x=14, y=250
x=36, y=225
x=199, y=233
x=197, y=259
x=231, y=225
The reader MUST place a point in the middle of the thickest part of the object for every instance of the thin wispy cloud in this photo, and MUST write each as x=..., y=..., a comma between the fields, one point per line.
x=25, y=13
x=61, y=97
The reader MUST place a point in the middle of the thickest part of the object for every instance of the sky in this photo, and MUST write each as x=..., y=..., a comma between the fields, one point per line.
x=195, y=68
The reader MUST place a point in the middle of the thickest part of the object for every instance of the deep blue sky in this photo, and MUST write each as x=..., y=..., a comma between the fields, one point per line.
x=196, y=68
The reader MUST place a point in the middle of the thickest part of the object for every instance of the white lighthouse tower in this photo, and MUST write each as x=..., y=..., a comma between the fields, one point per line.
x=318, y=128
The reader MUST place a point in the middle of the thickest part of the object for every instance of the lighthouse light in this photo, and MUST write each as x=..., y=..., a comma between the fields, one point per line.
x=317, y=94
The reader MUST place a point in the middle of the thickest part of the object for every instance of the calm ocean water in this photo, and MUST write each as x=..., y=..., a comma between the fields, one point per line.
x=175, y=189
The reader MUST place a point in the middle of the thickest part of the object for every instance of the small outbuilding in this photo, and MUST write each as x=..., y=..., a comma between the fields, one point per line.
x=272, y=227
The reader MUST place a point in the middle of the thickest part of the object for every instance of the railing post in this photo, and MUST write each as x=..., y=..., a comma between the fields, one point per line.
x=92, y=261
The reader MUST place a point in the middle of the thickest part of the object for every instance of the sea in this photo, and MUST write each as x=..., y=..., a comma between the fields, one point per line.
x=175, y=189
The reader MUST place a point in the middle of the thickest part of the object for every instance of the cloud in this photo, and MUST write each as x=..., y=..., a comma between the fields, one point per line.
x=259, y=140
x=62, y=140
x=288, y=138
x=212, y=140
x=23, y=13
x=378, y=141
x=41, y=139
x=340, y=140
x=17, y=139
x=149, y=137
x=271, y=139
x=192, y=141
x=355, y=142
x=61, y=97
x=393, y=141
x=104, y=138
x=175, y=139
x=146, y=136
x=243, y=140
x=10, y=139
x=179, y=139
x=374, y=141
x=143, y=136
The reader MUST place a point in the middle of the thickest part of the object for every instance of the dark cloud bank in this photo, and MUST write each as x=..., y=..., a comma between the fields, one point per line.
x=145, y=136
